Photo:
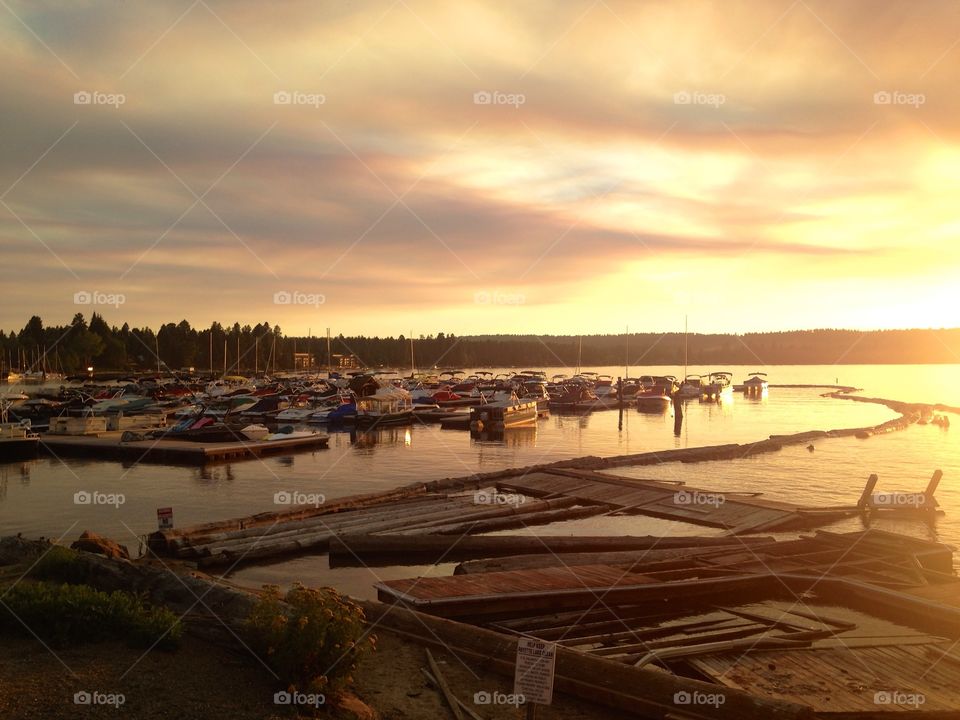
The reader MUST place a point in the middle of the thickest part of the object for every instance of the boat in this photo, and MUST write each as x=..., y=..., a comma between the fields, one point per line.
x=755, y=384
x=334, y=408
x=387, y=406
x=504, y=414
x=209, y=431
x=344, y=413
x=296, y=414
x=288, y=433
x=691, y=387
x=717, y=384
x=574, y=397
x=17, y=439
x=656, y=393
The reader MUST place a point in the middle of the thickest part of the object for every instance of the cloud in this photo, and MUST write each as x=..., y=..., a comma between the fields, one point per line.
x=601, y=170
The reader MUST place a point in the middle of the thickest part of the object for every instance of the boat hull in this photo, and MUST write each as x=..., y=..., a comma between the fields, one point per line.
x=18, y=449
x=369, y=420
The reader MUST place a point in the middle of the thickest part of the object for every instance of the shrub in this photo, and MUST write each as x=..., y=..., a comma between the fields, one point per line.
x=314, y=641
x=65, y=614
x=60, y=563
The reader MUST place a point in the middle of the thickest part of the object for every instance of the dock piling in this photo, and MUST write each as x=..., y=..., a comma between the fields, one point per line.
x=868, y=491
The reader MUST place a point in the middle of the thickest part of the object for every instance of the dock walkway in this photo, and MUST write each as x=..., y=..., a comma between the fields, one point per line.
x=108, y=446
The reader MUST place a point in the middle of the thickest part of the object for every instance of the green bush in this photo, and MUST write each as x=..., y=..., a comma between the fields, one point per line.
x=60, y=563
x=63, y=615
x=314, y=642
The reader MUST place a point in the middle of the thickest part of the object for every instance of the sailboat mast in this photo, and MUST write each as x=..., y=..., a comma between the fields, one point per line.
x=626, y=366
x=413, y=365
x=579, y=353
x=684, y=347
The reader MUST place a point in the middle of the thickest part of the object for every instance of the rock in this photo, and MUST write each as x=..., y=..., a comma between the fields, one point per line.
x=94, y=543
x=350, y=706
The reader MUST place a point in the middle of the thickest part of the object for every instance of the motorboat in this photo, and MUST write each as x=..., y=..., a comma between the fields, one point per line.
x=716, y=385
x=17, y=440
x=656, y=393
x=208, y=430
x=288, y=433
x=574, y=397
x=691, y=387
x=387, y=406
x=504, y=414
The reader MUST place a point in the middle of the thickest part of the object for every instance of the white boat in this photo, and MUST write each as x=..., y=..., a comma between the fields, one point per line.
x=717, y=384
x=17, y=440
x=296, y=414
x=227, y=385
x=279, y=435
x=691, y=387
x=387, y=406
x=256, y=432
x=504, y=414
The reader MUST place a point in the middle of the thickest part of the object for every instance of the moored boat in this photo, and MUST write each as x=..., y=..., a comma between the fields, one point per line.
x=17, y=440
x=504, y=414
x=716, y=385
x=387, y=406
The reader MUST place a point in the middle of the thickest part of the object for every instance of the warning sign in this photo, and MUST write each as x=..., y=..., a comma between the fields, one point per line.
x=533, y=678
x=165, y=518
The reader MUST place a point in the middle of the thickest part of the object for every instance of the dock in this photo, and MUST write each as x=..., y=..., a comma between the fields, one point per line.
x=817, y=627
x=108, y=446
x=548, y=581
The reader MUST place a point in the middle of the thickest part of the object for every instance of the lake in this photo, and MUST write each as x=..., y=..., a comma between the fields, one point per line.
x=37, y=497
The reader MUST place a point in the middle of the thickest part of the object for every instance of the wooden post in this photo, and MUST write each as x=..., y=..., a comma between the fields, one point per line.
x=868, y=491
x=677, y=413
x=932, y=485
x=620, y=402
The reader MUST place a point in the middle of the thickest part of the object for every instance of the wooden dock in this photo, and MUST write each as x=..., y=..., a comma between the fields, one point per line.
x=541, y=582
x=734, y=512
x=310, y=529
x=108, y=446
x=830, y=622
x=468, y=506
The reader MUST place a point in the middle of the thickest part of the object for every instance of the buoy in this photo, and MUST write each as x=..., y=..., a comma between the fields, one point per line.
x=810, y=448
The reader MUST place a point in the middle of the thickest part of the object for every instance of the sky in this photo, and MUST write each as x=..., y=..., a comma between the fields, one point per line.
x=415, y=166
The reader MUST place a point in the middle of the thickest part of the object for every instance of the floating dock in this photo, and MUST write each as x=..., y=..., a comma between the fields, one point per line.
x=108, y=446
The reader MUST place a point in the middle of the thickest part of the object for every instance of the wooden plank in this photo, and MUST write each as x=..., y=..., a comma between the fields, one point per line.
x=642, y=693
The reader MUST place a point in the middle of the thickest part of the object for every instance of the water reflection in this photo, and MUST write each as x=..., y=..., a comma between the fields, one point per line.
x=369, y=439
x=214, y=474
x=513, y=437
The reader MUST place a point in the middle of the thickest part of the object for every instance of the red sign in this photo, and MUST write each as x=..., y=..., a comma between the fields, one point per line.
x=165, y=518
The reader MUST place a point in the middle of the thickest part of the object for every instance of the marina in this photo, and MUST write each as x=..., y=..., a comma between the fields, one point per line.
x=479, y=361
x=751, y=578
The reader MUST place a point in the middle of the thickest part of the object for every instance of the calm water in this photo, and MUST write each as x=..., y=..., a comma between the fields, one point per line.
x=36, y=498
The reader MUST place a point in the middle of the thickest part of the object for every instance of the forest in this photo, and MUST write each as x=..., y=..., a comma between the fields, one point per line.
x=262, y=347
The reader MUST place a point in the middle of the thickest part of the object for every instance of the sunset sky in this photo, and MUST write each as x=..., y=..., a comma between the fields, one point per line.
x=754, y=165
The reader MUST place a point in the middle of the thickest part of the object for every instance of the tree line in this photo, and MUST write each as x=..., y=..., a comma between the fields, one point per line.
x=236, y=348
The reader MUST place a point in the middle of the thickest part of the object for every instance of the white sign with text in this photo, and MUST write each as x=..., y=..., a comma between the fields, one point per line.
x=533, y=678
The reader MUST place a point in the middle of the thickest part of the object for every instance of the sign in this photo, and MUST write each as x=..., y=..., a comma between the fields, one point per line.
x=165, y=518
x=533, y=677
